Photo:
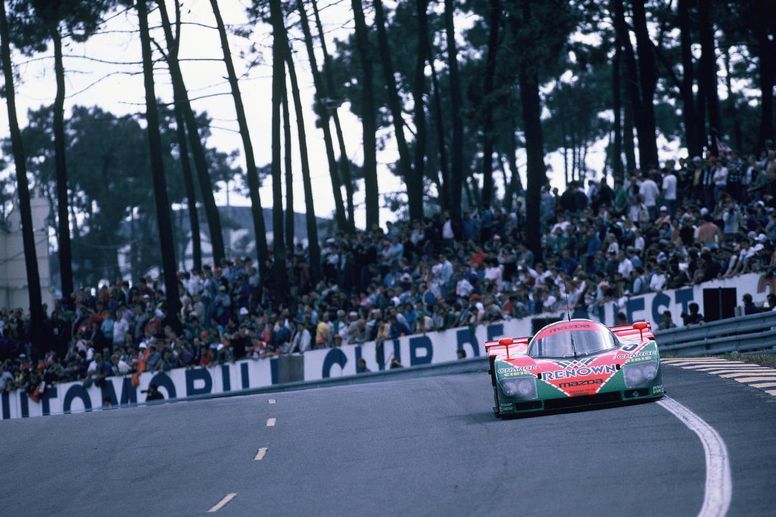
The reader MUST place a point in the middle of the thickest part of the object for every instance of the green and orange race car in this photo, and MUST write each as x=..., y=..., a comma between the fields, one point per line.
x=572, y=363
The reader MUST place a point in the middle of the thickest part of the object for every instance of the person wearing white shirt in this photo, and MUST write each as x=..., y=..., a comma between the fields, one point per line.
x=658, y=280
x=463, y=289
x=447, y=228
x=625, y=266
x=494, y=272
x=194, y=284
x=669, y=192
x=649, y=191
x=638, y=240
x=120, y=328
x=301, y=339
x=122, y=366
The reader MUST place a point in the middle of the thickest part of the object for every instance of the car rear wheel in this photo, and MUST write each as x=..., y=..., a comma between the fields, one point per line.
x=497, y=407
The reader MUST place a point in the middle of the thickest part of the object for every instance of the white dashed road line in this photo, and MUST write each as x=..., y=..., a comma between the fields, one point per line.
x=223, y=502
x=271, y=401
x=719, y=483
x=260, y=454
x=271, y=422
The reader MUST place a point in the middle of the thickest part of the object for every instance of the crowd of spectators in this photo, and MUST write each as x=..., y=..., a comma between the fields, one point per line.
x=688, y=222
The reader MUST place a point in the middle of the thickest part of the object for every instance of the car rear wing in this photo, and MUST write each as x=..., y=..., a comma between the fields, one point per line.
x=639, y=329
x=507, y=345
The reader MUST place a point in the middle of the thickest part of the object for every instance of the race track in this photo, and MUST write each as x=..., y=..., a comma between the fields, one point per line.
x=412, y=446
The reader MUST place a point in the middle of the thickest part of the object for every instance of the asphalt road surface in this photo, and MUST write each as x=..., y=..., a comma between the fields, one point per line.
x=412, y=446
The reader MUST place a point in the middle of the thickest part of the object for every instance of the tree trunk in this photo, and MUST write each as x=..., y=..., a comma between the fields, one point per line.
x=456, y=170
x=280, y=293
x=534, y=145
x=188, y=175
x=630, y=79
x=65, y=251
x=688, y=101
x=415, y=183
x=369, y=122
x=709, y=71
x=191, y=194
x=323, y=113
x=648, y=78
x=197, y=149
x=288, y=167
x=627, y=138
x=731, y=111
x=252, y=174
x=394, y=104
x=313, y=247
x=766, y=49
x=494, y=20
x=515, y=185
x=22, y=187
x=617, y=169
x=344, y=162
x=166, y=239
x=444, y=178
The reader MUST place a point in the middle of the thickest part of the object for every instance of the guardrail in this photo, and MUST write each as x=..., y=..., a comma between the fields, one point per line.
x=755, y=332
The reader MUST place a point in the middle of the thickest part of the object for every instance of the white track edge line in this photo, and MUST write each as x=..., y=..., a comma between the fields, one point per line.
x=223, y=502
x=719, y=482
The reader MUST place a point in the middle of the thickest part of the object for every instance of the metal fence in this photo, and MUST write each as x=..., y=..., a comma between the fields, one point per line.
x=752, y=333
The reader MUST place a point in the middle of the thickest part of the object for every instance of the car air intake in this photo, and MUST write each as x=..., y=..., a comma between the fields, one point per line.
x=525, y=406
x=583, y=400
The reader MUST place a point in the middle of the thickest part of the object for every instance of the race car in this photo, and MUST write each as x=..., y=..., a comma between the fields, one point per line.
x=576, y=362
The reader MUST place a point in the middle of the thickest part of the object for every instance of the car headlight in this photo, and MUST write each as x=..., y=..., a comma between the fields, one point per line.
x=638, y=375
x=523, y=388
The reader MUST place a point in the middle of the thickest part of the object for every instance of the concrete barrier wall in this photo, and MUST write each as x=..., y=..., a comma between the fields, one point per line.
x=431, y=348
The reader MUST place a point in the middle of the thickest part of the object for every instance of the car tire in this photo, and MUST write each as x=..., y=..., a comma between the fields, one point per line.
x=497, y=407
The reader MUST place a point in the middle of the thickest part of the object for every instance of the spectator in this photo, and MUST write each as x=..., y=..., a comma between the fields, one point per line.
x=694, y=317
x=669, y=189
x=667, y=322
x=708, y=234
x=649, y=193
x=750, y=307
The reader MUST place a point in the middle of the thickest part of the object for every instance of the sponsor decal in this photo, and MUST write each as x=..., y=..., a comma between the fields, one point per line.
x=586, y=382
x=658, y=390
x=643, y=355
x=567, y=327
x=579, y=372
x=515, y=371
x=576, y=363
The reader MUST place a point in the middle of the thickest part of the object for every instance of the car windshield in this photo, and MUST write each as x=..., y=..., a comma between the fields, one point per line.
x=571, y=339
